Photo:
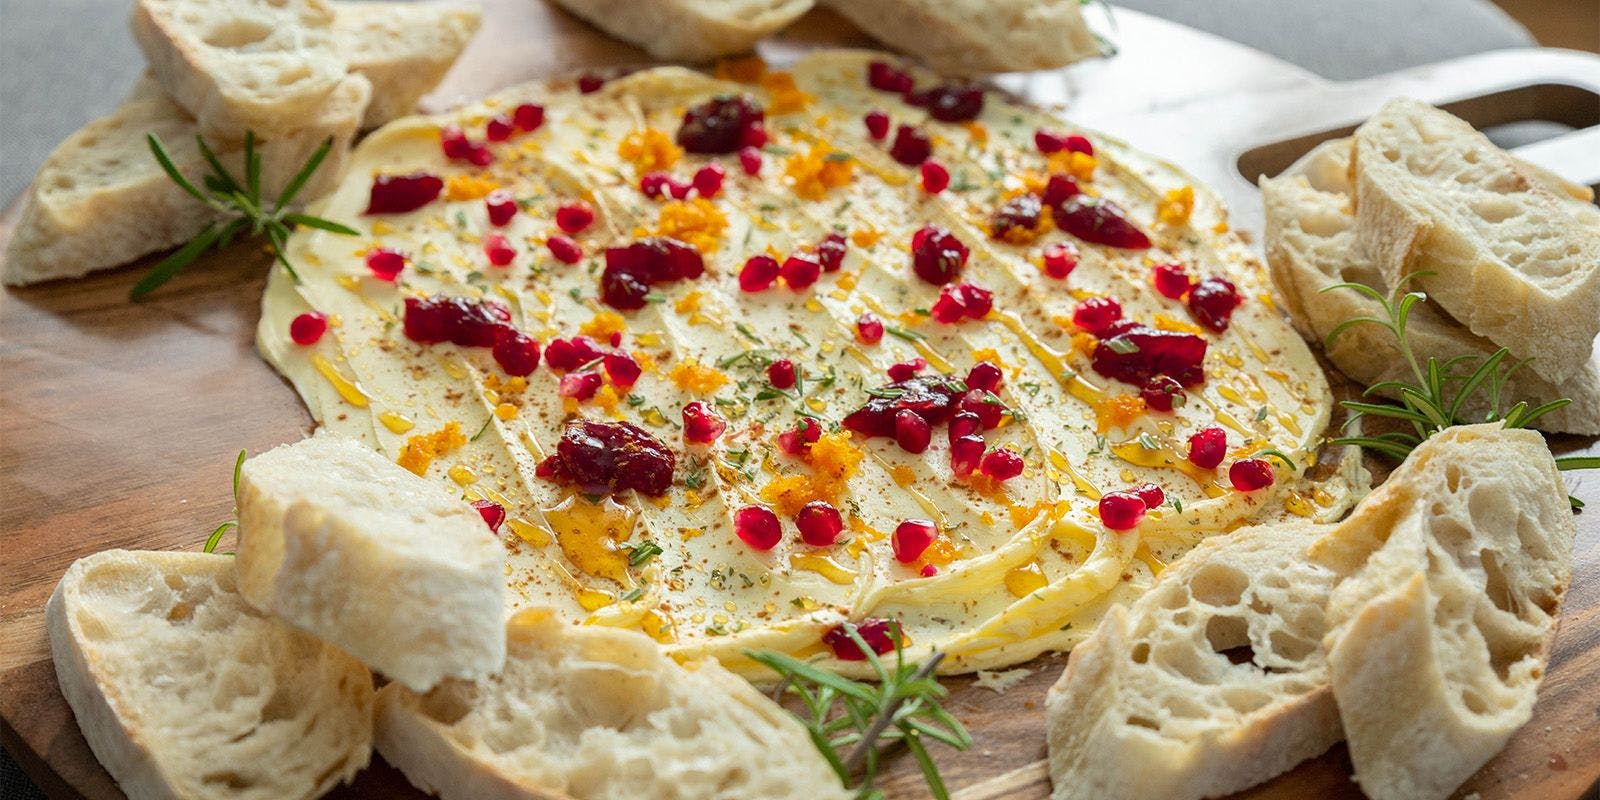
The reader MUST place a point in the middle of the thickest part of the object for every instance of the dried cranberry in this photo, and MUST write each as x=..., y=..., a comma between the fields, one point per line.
x=308, y=328
x=961, y=301
x=964, y=423
x=459, y=320
x=574, y=217
x=397, y=194
x=937, y=256
x=966, y=454
x=623, y=371
x=1207, y=447
x=630, y=270
x=869, y=329
x=1121, y=511
x=708, y=180
x=702, y=424
x=494, y=514
x=911, y=538
x=1212, y=302
x=879, y=634
x=950, y=102
x=1001, y=465
x=886, y=78
x=516, y=352
x=985, y=377
x=1080, y=144
x=820, y=523
x=799, y=439
x=1137, y=352
x=758, y=527
x=758, y=273
x=500, y=206
x=1096, y=314
x=569, y=354
x=499, y=251
x=831, y=252
x=623, y=290
x=564, y=249
x=454, y=143
x=499, y=128
x=385, y=265
x=1020, y=213
x=986, y=406
x=933, y=397
x=906, y=370
x=1099, y=222
x=799, y=271
x=1170, y=280
x=750, y=160
x=528, y=117
x=1151, y=494
x=911, y=146
x=781, y=374
x=1048, y=142
x=877, y=124
x=935, y=178
x=609, y=457
x=911, y=431
x=1162, y=393
x=1250, y=474
x=589, y=83
x=579, y=386
x=718, y=125
x=1060, y=259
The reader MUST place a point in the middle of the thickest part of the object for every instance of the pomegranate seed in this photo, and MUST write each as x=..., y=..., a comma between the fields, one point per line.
x=1058, y=190
x=831, y=252
x=480, y=156
x=516, y=352
x=985, y=405
x=876, y=633
x=454, y=143
x=722, y=125
x=964, y=423
x=935, y=178
x=1212, y=302
x=758, y=273
x=385, y=264
x=1080, y=144
x=1207, y=447
x=708, y=180
x=780, y=374
x=609, y=457
x=654, y=184
x=750, y=160
x=911, y=146
x=758, y=527
x=799, y=439
x=985, y=377
x=575, y=217
x=1048, y=142
x=702, y=424
x=1019, y=214
x=528, y=117
x=877, y=124
x=950, y=102
x=928, y=571
x=966, y=453
x=911, y=538
x=800, y=271
x=499, y=129
x=886, y=78
x=820, y=523
x=564, y=249
x=307, y=329
x=911, y=431
x=1060, y=259
x=1150, y=494
x=755, y=135
x=464, y=322
x=397, y=194
x=1132, y=352
x=1121, y=511
x=493, y=513
x=1001, y=465
x=977, y=300
x=569, y=354
x=1099, y=222
x=869, y=329
x=501, y=207
x=498, y=250
x=589, y=83
x=1250, y=474
x=679, y=189
x=580, y=386
x=1170, y=280
x=1162, y=393
x=906, y=370
x=1096, y=314
x=937, y=256
x=623, y=371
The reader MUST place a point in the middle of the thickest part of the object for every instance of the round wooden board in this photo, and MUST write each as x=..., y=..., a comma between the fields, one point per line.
x=119, y=424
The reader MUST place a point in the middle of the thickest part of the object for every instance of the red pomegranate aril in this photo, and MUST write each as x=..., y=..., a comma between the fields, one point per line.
x=307, y=329
x=1207, y=447
x=1162, y=393
x=750, y=160
x=820, y=523
x=580, y=386
x=1170, y=280
x=1001, y=464
x=906, y=370
x=886, y=78
x=869, y=329
x=1058, y=190
x=1060, y=259
x=911, y=431
x=569, y=354
x=831, y=252
x=1121, y=511
x=575, y=217
x=1020, y=214
x=964, y=423
x=480, y=156
x=589, y=83
x=928, y=571
x=755, y=135
x=1250, y=474
x=454, y=143
x=516, y=352
x=1100, y=222
x=601, y=457
x=385, y=264
x=911, y=146
x=702, y=424
x=877, y=124
x=564, y=249
x=799, y=439
x=1096, y=314
x=498, y=250
x=986, y=406
x=708, y=180
x=654, y=184
x=758, y=527
x=397, y=194
x=1150, y=494
x=985, y=377
x=911, y=538
x=623, y=371
x=500, y=206
x=499, y=129
x=947, y=309
x=800, y=271
x=935, y=178
x=1080, y=144
x=679, y=190
x=950, y=102
x=758, y=273
x=877, y=633
x=528, y=117
x=937, y=256
x=494, y=514
x=722, y=125
x=1048, y=142
x=977, y=300
x=966, y=454
x=781, y=374
x=1212, y=302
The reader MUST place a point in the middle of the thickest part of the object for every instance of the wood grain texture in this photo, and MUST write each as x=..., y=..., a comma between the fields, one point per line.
x=119, y=424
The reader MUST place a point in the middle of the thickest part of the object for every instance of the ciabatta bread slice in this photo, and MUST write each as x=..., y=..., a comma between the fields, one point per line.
x=341, y=542
x=403, y=48
x=1311, y=246
x=596, y=713
x=970, y=37
x=1513, y=258
x=1152, y=705
x=689, y=30
x=238, y=65
x=1439, y=637
x=101, y=200
x=184, y=691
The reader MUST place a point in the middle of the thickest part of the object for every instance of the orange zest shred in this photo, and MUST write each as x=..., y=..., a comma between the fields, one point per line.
x=814, y=172
x=698, y=222
x=1176, y=205
x=1080, y=166
x=783, y=95
x=696, y=378
x=1166, y=323
x=748, y=69
x=649, y=150
x=834, y=459
x=1117, y=411
x=603, y=325
x=977, y=131
x=422, y=449
x=468, y=187
x=865, y=237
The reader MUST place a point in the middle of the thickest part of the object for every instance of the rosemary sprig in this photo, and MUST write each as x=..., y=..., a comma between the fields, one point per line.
x=240, y=206
x=850, y=722
x=216, y=536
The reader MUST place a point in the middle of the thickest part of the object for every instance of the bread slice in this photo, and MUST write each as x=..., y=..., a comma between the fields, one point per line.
x=1439, y=636
x=343, y=543
x=689, y=30
x=1152, y=705
x=970, y=37
x=596, y=713
x=403, y=48
x=1513, y=258
x=240, y=65
x=100, y=200
x=184, y=691
x=1311, y=245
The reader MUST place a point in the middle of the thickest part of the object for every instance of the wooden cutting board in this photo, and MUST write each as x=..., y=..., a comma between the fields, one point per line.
x=119, y=423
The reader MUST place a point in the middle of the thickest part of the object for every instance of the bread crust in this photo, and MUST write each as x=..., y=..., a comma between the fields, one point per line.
x=973, y=37
x=404, y=48
x=689, y=30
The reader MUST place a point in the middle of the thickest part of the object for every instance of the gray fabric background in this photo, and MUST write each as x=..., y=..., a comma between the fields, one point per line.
x=64, y=62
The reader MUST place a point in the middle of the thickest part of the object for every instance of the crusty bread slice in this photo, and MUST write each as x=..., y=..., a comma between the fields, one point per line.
x=969, y=37
x=596, y=713
x=343, y=543
x=1151, y=704
x=1439, y=635
x=689, y=30
x=1311, y=245
x=1513, y=258
x=100, y=200
x=184, y=691
x=403, y=48
x=240, y=65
